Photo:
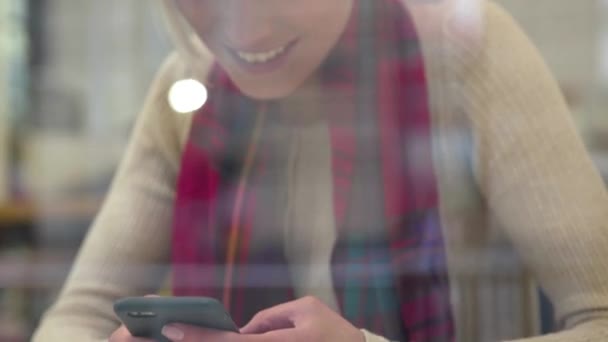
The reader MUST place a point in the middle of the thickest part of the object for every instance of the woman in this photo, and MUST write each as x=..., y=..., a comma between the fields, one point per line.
x=355, y=172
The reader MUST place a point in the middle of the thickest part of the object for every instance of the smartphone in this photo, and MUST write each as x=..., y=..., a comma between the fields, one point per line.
x=146, y=316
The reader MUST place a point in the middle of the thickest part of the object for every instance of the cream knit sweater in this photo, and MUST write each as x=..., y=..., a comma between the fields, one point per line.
x=512, y=173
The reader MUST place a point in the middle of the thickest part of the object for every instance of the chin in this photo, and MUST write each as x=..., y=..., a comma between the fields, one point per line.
x=268, y=93
x=266, y=90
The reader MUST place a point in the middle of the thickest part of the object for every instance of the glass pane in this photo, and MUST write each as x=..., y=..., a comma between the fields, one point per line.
x=427, y=170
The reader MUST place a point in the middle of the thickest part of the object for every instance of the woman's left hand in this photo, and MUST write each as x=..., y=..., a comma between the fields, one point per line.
x=306, y=319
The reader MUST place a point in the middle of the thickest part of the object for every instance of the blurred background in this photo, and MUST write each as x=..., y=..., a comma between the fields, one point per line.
x=73, y=74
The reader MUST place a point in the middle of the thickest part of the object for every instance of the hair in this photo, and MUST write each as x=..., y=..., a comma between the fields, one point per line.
x=187, y=43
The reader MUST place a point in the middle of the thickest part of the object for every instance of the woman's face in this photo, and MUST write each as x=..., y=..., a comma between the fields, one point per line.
x=268, y=47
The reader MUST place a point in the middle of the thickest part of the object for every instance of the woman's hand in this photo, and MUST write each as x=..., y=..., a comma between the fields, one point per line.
x=306, y=319
x=123, y=335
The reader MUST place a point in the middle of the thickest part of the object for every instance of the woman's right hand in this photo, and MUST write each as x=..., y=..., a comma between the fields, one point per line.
x=123, y=335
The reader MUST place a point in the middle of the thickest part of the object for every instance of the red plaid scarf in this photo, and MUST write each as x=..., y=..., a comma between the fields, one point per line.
x=394, y=283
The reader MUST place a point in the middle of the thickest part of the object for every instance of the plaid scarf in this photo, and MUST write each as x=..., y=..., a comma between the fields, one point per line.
x=393, y=283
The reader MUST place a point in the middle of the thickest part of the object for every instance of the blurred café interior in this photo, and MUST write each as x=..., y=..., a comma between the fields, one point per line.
x=73, y=74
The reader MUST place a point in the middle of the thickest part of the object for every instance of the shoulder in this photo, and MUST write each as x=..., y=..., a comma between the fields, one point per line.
x=175, y=67
x=461, y=31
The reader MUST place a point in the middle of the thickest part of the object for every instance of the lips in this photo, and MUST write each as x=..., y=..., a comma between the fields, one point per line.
x=262, y=57
x=263, y=61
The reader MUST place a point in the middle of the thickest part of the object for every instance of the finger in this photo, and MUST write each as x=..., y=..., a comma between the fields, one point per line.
x=268, y=320
x=123, y=335
x=187, y=333
x=281, y=335
x=282, y=316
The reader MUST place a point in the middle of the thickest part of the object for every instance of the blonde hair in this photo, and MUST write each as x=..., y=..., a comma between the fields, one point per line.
x=187, y=43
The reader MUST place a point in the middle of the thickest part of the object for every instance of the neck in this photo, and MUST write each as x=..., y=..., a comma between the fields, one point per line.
x=304, y=105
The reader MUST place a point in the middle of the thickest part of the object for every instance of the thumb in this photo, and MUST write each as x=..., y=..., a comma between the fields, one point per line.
x=275, y=318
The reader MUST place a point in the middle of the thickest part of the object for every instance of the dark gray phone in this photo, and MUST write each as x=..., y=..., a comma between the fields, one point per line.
x=146, y=316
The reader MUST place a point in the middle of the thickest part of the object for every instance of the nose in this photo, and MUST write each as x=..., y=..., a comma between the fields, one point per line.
x=246, y=23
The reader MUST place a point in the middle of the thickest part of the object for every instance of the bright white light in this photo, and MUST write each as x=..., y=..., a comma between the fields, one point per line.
x=186, y=96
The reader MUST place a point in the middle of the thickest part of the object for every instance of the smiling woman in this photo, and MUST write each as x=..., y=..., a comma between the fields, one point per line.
x=361, y=170
x=268, y=47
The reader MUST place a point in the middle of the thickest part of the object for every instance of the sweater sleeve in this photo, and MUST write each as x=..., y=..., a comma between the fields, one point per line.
x=538, y=180
x=127, y=248
x=370, y=337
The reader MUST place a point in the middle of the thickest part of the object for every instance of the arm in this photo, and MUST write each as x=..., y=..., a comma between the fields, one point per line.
x=127, y=248
x=370, y=337
x=537, y=178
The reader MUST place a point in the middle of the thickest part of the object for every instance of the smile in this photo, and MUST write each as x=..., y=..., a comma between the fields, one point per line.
x=261, y=57
x=263, y=61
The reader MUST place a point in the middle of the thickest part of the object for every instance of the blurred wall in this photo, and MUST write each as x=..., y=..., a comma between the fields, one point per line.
x=13, y=83
x=97, y=60
x=4, y=126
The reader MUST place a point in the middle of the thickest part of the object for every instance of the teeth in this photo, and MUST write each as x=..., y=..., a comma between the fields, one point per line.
x=260, y=57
